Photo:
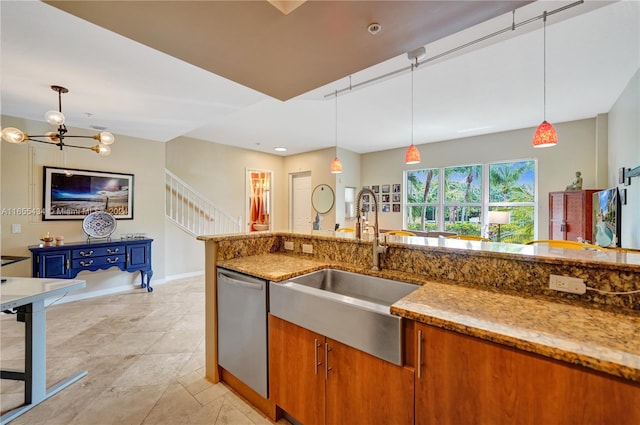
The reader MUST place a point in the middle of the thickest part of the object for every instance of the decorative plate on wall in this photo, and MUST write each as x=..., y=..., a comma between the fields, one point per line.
x=99, y=224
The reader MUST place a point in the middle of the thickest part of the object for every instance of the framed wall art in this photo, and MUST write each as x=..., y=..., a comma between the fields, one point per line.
x=71, y=194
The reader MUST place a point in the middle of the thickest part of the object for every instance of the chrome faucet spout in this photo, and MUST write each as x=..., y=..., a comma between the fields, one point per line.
x=377, y=247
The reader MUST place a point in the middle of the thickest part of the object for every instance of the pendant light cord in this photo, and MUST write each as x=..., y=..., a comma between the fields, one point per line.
x=336, y=109
x=412, y=66
x=544, y=65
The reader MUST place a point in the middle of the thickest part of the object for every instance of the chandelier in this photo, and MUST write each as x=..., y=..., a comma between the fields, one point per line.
x=14, y=135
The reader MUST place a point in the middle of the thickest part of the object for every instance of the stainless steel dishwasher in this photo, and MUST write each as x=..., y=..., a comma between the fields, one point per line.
x=242, y=328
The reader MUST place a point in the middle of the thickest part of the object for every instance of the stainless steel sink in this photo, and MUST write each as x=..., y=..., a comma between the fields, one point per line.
x=348, y=307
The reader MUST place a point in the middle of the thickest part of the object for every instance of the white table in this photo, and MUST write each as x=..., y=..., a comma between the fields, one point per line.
x=28, y=296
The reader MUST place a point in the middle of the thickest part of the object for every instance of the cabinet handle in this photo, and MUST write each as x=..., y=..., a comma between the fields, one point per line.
x=115, y=251
x=326, y=361
x=68, y=262
x=82, y=263
x=86, y=254
x=316, y=345
x=419, y=354
x=111, y=260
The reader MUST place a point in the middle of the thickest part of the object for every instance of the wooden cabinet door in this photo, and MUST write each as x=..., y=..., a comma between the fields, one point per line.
x=54, y=265
x=296, y=371
x=363, y=389
x=556, y=215
x=465, y=380
x=575, y=216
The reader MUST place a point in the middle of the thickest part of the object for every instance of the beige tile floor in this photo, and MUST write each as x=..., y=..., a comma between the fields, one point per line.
x=144, y=353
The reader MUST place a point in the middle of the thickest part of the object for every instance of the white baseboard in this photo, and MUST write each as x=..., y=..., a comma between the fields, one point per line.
x=185, y=275
x=116, y=289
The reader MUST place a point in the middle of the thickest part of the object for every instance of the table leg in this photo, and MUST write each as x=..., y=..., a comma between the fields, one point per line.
x=35, y=367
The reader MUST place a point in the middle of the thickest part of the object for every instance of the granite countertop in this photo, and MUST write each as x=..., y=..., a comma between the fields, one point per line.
x=604, y=341
x=601, y=340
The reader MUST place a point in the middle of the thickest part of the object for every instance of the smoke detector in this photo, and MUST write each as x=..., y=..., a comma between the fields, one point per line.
x=374, y=28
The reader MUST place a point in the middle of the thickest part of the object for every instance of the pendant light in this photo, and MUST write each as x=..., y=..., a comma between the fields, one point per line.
x=336, y=165
x=545, y=134
x=412, y=156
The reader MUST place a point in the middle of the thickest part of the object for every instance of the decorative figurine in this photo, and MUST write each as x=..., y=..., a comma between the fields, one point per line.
x=576, y=184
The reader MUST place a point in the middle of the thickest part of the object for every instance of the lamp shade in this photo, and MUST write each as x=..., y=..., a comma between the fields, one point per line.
x=412, y=156
x=336, y=166
x=54, y=117
x=13, y=135
x=499, y=217
x=545, y=136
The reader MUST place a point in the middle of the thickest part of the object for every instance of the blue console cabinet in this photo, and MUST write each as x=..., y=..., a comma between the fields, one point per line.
x=66, y=261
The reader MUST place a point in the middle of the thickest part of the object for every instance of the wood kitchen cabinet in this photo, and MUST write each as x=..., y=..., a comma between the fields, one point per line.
x=318, y=380
x=465, y=380
x=570, y=215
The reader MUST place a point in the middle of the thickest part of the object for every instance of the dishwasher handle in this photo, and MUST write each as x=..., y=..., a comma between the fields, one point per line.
x=259, y=286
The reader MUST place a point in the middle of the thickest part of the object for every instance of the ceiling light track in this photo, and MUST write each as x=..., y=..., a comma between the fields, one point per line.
x=511, y=27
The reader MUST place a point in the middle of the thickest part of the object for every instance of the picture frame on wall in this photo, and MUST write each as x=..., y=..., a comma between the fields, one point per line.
x=396, y=188
x=386, y=188
x=73, y=194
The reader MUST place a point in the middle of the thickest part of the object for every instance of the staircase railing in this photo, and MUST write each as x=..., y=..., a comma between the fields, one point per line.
x=193, y=212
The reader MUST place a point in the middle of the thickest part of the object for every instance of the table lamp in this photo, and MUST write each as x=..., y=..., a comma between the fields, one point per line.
x=498, y=218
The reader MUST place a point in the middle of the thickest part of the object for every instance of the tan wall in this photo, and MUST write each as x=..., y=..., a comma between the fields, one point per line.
x=218, y=172
x=22, y=167
x=556, y=166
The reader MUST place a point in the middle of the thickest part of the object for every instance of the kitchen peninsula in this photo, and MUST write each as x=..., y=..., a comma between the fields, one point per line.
x=514, y=340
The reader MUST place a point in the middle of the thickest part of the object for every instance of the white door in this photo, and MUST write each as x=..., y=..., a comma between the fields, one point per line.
x=301, y=220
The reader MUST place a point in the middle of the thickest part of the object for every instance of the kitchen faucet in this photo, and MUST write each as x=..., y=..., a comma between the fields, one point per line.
x=377, y=247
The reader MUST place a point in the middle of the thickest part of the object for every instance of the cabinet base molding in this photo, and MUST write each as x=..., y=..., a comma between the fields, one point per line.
x=267, y=407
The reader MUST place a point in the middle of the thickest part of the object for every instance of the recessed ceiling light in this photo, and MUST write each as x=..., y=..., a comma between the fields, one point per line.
x=280, y=149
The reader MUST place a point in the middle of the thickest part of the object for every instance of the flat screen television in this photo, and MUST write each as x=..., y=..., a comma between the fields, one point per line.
x=606, y=218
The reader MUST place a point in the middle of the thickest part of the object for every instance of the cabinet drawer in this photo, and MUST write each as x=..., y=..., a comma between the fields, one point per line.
x=98, y=251
x=114, y=260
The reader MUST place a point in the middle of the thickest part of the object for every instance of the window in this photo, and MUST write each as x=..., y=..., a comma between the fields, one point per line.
x=468, y=193
x=512, y=188
x=422, y=199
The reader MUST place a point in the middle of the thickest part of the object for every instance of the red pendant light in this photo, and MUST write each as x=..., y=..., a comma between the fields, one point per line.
x=336, y=166
x=412, y=156
x=545, y=134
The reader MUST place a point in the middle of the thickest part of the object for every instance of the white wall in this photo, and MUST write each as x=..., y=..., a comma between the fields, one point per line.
x=624, y=151
x=22, y=167
x=576, y=151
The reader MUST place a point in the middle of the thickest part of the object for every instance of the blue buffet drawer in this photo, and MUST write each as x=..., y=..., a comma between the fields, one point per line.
x=114, y=260
x=98, y=251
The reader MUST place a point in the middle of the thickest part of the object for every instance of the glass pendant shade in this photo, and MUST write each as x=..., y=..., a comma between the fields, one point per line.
x=102, y=150
x=545, y=136
x=412, y=156
x=13, y=135
x=54, y=117
x=336, y=166
x=105, y=138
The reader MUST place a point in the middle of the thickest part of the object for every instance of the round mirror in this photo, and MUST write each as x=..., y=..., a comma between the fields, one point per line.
x=322, y=198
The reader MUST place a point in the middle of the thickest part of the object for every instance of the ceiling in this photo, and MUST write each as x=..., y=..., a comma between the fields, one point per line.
x=247, y=75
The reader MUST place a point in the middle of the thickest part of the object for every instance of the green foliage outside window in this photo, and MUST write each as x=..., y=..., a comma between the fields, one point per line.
x=511, y=188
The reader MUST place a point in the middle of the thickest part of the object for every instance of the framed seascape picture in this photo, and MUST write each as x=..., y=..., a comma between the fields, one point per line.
x=606, y=218
x=71, y=194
